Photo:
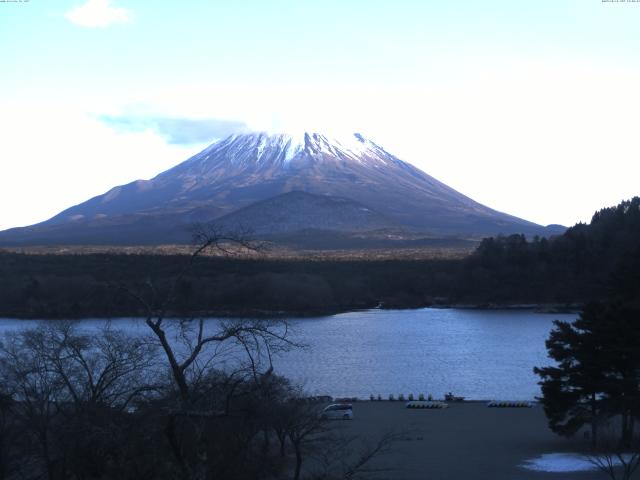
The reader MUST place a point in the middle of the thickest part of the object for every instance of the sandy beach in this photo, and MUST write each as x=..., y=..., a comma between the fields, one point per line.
x=466, y=441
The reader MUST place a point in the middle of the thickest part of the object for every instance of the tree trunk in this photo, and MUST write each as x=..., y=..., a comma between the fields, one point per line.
x=178, y=373
x=266, y=441
x=170, y=432
x=594, y=426
x=44, y=441
x=296, y=475
x=626, y=431
x=3, y=467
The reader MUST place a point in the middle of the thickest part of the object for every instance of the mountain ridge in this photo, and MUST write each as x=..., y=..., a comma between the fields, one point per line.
x=243, y=169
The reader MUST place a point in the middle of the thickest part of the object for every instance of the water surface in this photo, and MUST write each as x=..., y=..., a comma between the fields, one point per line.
x=479, y=354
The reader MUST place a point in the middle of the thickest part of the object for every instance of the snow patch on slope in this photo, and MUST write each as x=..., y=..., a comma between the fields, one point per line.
x=288, y=146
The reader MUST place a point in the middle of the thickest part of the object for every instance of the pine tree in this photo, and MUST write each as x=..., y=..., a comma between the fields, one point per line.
x=572, y=390
x=597, y=373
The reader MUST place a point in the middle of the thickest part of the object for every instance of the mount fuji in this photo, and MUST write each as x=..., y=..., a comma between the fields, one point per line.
x=276, y=185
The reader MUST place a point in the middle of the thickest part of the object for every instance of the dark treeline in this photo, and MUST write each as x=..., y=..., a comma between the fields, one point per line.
x=88, y=285
x=593, y=387
x=587, y=262
x=597, y=261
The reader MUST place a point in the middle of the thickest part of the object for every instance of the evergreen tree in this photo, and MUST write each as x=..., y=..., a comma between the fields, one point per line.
x=598, y=370
x=618, y=331
x=572, y=390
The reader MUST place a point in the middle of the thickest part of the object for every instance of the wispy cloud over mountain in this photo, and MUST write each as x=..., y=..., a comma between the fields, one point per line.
x=98, y=14
x=180, y=131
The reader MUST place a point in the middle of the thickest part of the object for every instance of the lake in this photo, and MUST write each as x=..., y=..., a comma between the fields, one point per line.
x=478, y=354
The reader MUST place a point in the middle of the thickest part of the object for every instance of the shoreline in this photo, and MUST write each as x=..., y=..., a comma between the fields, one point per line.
x=543, y=308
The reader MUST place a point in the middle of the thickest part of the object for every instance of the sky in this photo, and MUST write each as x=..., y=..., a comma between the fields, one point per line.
x=531, y=108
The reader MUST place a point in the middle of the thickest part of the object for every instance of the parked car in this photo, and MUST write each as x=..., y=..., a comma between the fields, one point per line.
x=338, y=411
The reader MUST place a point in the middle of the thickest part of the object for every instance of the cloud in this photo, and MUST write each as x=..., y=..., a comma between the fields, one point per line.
x=98, y=14
x=179, y=131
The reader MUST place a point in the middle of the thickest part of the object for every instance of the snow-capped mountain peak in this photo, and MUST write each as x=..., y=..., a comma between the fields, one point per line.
x=288, y=149
x=249, y=168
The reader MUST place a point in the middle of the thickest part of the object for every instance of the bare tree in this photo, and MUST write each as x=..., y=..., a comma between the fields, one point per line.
x=305, y=429
x=61, y=379
x=9, y=436
x=194, y=347
x=332, y=455
x=39, y=396
x=109, y=368
x=189, y=347
x=354, y=458
x=617, y=459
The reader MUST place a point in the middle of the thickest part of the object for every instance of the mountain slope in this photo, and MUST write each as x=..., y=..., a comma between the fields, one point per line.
x=296, y=211
x=244, y=169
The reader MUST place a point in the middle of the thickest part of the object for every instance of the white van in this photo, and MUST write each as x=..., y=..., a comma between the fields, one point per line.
x=338, y=411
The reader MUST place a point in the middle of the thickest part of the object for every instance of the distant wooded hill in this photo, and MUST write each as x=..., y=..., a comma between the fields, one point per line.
x=587, y=262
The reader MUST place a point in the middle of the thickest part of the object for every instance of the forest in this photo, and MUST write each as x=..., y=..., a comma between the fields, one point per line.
x=588, y=262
